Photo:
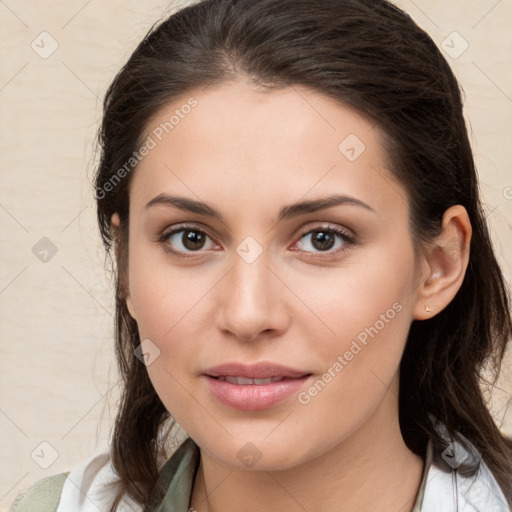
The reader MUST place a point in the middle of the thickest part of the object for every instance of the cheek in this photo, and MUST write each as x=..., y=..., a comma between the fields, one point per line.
x=166, y=297
x=359, y=362
x=169, y=305
x=368, y=310
x=368, y=299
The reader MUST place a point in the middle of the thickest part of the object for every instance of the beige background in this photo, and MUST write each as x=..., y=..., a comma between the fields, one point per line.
x=57, y=368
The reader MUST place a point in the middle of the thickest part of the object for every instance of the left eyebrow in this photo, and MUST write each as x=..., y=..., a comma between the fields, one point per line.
x=287, y=212
x=303, y=207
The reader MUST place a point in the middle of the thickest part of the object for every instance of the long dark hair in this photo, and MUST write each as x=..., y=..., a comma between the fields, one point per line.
x=372, y=56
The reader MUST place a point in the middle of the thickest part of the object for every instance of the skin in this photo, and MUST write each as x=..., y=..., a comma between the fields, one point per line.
x=248, y=153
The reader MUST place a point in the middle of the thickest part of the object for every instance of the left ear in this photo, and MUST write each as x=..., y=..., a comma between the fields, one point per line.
x=444, y=264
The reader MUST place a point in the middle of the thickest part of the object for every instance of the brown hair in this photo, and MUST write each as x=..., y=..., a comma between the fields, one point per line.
x=372, y=56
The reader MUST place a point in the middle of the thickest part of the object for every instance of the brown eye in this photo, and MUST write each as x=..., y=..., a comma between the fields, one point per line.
x=192, y=240
x=323, y=239
x=185, y=240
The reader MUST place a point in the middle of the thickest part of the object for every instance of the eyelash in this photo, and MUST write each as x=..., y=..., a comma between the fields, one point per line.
x=348, y=240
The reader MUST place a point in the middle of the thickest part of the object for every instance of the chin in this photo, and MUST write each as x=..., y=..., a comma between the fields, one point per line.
x=260, y=454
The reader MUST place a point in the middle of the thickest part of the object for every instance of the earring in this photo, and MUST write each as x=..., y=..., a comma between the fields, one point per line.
x=427, y=308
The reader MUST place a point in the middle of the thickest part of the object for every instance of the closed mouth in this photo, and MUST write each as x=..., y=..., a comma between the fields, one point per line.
x=244, y=381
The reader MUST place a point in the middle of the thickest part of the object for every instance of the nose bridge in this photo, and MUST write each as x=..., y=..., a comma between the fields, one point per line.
x=250, y=301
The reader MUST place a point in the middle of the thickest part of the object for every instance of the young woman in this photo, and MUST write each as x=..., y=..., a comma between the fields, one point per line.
x=306, y=283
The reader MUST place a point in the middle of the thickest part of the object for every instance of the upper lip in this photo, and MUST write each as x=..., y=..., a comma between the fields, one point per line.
x=254, y=371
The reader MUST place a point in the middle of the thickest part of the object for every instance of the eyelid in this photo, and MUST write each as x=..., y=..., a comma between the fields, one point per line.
x=192, y=226
x=327, y=226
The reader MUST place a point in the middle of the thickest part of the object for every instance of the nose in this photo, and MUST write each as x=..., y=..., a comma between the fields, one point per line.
x=252, y=301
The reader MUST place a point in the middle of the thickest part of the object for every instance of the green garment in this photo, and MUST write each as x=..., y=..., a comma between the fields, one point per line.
x=43, y=496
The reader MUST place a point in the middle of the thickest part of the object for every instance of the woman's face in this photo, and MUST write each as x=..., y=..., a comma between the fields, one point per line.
x=247, y=277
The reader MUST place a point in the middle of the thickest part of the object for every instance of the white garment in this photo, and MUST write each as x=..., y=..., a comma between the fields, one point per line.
x=448, y=491
x=92, y=487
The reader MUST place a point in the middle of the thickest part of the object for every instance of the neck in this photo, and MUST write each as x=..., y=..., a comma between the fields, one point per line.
x=371, y=470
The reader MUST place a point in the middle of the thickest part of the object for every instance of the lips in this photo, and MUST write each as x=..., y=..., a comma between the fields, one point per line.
x=254, y=387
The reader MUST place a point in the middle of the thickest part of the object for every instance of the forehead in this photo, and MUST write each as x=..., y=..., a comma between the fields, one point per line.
x=273, y=145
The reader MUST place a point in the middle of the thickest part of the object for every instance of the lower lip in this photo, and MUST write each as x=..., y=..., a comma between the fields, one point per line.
x=254, y=397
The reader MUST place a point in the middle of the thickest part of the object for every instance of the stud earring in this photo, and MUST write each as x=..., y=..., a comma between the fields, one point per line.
x=427, y=308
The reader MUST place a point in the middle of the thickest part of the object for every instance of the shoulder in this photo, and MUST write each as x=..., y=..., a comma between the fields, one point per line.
x=43, y=496
x=92, y=481
x=459, y=479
